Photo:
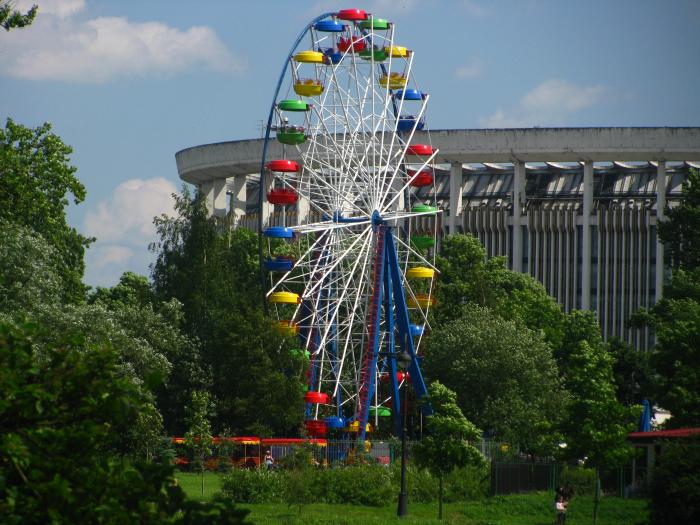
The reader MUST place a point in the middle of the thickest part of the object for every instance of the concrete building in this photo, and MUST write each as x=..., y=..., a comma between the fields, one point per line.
x=576, y=208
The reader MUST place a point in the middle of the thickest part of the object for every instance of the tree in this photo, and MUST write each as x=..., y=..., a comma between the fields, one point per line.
x=36, y=179
x=675, y=319
x=447, y=442
x=504, y=376
x=676, y=358
x=63, y=414
x=596, y=424
x=160, y=324
x=675, y=485
x=11, y=18
x=680, y=231
x=29, y=269
x=631, y=373
x=198, y=438
x=213, y=271
x=466, y=276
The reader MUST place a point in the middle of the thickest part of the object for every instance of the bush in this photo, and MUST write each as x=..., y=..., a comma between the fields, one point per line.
x=255, y=486
x=582, y=480
x=367, y=485
x=675, y=487
x=468, y=483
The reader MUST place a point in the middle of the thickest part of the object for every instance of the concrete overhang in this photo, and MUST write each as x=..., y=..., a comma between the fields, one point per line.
x=229, y=159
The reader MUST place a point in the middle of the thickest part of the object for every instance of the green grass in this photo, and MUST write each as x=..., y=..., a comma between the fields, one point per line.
x=191, y=483
x=529, y=509
x=520, y=509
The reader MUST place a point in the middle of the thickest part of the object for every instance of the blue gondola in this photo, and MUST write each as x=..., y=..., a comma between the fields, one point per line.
x=329, y=26
x=279, y=232
x=334, y=57
x=407, y=122
x=410, y=94
x=335, y=422
x=417, y=329
x=279, y=264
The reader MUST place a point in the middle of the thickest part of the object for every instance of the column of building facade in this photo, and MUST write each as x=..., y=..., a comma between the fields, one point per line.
x=518, y=201
x=660, y=213
x=239, y=194
x=586, y=223
x=455, y=196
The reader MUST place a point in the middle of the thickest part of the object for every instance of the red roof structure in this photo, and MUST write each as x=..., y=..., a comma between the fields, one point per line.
x=663, y=434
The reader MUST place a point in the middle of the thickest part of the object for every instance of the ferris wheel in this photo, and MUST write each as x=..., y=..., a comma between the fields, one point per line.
x=350, y=243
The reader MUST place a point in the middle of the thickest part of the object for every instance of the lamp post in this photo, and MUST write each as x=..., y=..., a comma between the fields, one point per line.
x=403, y=360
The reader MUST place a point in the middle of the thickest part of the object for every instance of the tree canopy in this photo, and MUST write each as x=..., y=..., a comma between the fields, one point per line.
x=213, y=271
x=675, y=319
x=504, y=376
x=36, y=180
x=11, y=18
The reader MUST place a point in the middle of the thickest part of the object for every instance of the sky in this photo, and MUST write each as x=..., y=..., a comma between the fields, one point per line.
x=128, y=83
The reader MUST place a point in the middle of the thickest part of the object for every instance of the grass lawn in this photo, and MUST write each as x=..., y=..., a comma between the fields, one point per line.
x=519, y=509
x=191, y=483
x=530, y=509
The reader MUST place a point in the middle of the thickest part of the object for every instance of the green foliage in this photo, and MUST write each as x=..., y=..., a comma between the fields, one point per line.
x=11, y=18
x=631, y=372
x=676, y=355
x=675, y=488
x=158, y=326
x=504, y=376
x=29, y=269
x=676, y=318
x=446, y=444
x=198, y=438
x=36, y=179
x=255, y=485
x=596, y=425
x=63, y=414
x=213, y=271
x=580, y=479
x=680, y=232
x=466, y=276
x=448, y=433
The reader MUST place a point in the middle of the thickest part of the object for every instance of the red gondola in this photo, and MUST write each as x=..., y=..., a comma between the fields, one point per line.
x=316, y=397
x=354, y=15
x=422, y=150
x=424, y=178
x=283, y=166
x=355, y=45
x=282, y=196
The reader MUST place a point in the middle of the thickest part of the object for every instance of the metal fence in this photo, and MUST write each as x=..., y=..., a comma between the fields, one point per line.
x=333, y=452
x=523, y=476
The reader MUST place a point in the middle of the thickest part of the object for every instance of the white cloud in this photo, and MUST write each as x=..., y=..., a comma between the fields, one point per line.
x=551, y=103
x=129, y=213
x=59, y=46
x=473, y=69
x=110, y=255
x=123, y=226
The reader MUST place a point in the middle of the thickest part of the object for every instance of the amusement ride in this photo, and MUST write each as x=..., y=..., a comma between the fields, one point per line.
x=350, y=267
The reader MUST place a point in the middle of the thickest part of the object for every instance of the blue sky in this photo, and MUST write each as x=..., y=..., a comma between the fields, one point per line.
x=128, y=83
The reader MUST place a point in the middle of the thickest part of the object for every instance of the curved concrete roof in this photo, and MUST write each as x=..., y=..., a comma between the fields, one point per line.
x=228, y=159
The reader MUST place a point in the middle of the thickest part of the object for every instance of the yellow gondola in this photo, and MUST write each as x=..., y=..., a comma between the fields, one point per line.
x=355, y=426
x=310, y=57
x=421, y=300
x=395, y=81
x=397, y=51
x=308, y=87
x=287, y=328
x=284, y=298
x=420, y=272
